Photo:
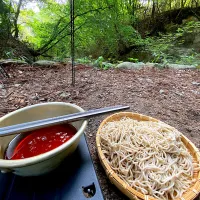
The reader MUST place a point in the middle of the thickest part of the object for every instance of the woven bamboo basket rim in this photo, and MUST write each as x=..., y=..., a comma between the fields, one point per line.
x=190, y=194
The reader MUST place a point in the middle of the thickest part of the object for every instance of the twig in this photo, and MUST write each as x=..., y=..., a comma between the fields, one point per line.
x=46, y=94
x=9, y=94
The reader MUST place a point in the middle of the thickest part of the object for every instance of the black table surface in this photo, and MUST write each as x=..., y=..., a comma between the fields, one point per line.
x=72, y=180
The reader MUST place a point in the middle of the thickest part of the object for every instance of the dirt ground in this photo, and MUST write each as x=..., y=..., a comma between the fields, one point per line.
x=172, y=96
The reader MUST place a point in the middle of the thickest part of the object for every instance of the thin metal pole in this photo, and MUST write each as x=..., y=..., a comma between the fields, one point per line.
x=72, y=40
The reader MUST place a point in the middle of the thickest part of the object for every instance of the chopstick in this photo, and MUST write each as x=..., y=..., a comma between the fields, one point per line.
x=29, y=126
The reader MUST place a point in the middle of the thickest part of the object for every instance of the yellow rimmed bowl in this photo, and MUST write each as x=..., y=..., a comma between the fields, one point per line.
x=46, y=162
x=190, y=194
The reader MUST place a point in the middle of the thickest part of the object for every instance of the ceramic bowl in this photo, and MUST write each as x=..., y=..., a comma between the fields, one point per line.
x=46, y=162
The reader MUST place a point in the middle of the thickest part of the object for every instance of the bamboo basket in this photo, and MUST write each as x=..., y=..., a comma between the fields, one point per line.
x=190, y=194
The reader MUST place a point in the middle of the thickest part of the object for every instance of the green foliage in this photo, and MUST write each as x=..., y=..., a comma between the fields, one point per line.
x=164, y=48
x=11, y=54
x=189, y=27
x=102, y=64
x=4, y=19
x=106, y=66
x=99, y=62
x=38, y=27
x=158, y=47
x=191, y=59
x=85, y=60
x=103, y=29
x=135, y=60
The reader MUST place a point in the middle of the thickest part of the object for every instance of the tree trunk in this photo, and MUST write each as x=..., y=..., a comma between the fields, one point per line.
x=196, y=3
x=153, y=10
x=131, y=7
x=16, y=34
x=182, y=4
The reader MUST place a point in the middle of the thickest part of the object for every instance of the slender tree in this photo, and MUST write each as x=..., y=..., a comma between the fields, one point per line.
x=15, y=23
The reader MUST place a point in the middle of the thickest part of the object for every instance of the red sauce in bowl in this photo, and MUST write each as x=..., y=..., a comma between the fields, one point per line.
x=43, y=140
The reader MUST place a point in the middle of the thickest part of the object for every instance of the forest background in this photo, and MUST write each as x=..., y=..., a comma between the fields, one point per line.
x=156, y=31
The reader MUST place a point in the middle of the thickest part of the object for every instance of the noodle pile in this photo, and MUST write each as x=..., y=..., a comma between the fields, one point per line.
x=149, y=156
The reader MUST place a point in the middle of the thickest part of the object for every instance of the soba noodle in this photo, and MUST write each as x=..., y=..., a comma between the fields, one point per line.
x=149, y=156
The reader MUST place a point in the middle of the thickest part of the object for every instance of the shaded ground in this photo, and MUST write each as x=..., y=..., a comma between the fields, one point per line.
x=172, y=96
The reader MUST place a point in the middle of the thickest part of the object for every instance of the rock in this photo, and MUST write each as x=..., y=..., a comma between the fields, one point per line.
x=35, y=98
x=65, y=95
x=44, y=63
x=162, y=91
x=195, y=83
x=177, y=66
x=17, y=85
x=12, y=61
x=160, y=65
x=130, y=65
x=148, y=64
x=195, y=92
x=1, y=86
x=44, y=99
x=180, y=93
x=104, y=65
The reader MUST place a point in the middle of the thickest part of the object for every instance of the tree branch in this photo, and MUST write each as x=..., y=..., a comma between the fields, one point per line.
x=53, y=36
x=93, y=10
x=43, y=48
x=61, y=39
